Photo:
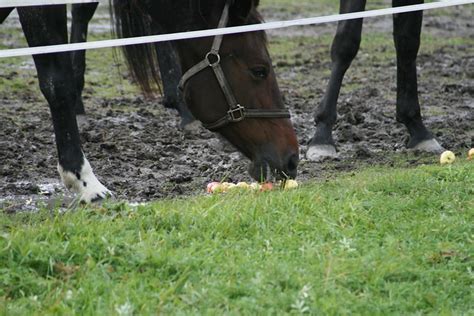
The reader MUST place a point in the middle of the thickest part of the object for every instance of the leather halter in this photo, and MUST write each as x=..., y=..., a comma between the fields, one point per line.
x=236, y=112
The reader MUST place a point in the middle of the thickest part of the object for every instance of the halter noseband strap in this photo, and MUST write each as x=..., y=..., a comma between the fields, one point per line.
x=236, y=112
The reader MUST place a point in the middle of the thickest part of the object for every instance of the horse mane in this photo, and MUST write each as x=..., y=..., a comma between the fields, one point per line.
x=130, y=19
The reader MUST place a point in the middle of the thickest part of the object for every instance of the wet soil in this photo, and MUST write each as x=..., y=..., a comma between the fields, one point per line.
x=138, y=150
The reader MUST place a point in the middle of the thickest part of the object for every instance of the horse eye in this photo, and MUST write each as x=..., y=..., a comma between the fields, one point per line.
x=260, y=72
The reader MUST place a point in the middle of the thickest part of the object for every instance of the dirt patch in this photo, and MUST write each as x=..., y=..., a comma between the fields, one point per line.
x=137, y=149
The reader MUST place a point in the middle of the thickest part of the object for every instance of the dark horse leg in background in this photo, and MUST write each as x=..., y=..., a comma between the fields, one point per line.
x=171, y=74
x=407, y=29
x=343, y=51
x=57, y=85
x=4, y=12
x=167, y=59
x=81, y=16
x=406, y=34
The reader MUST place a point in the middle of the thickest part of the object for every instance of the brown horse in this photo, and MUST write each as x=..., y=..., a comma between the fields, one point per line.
x=229, y=83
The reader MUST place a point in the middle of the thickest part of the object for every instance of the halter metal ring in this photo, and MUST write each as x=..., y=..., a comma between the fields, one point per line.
x=213, y=55
x=236, y=114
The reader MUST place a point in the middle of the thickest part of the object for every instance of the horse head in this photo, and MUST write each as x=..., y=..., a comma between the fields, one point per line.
x=229, y=83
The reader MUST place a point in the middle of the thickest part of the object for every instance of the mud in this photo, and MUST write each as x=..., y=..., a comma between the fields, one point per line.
x=138, y=150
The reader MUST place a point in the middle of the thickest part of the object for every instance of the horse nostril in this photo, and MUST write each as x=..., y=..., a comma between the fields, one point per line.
x=292, y=165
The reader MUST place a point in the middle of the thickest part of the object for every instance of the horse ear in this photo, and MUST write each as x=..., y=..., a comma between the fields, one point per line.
x=241, y=9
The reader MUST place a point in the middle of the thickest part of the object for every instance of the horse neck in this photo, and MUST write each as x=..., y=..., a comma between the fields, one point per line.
x=183, y=15
x=192, y=15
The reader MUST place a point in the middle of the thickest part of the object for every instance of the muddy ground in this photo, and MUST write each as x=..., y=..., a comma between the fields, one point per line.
x=138, y=150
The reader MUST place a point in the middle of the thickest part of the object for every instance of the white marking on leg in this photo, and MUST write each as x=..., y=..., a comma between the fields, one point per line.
x=318, y=152
x=430, y=145
x=85, y=184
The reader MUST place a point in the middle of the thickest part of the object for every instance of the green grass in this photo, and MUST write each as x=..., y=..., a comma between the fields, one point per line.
x=378, y=45
x=380, y=241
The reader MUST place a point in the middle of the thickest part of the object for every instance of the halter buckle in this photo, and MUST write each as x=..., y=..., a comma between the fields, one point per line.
x=236, y=114
x=213, y=58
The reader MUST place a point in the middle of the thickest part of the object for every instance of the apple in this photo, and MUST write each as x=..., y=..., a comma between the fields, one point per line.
x=243, y=185
x=470, y=154
x=228, y=186
x=212, y=186
x=267, y=186
x=447, y=158
x=219, y=188
x=290, y=184
x=255, y=186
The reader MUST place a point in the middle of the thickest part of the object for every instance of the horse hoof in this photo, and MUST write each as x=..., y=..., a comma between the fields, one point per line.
x=319, y=152
x=430, y=146
x=90, y=197
x=99, y=193
x=85, y=184
x=190, y=125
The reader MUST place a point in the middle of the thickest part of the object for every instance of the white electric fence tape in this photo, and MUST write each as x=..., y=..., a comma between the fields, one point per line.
x=29, y=3
x=228, y=30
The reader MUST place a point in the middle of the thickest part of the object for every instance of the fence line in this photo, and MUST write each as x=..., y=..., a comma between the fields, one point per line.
x=28, y=3
x=228, y=30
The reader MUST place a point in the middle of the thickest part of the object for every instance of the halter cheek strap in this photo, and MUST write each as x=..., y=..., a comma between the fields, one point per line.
x=236, y=112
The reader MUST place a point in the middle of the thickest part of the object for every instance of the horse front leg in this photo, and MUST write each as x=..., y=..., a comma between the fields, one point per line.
x=57, y=85
x=81, y=16
x=406, y=34
x=171, y=73
x=343, y=51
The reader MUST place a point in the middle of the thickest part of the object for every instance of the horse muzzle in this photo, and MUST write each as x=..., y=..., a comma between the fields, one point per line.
x=282, y=168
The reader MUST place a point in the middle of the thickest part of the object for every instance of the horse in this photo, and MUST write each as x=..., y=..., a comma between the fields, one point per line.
x=229, y=83
x=406, y=33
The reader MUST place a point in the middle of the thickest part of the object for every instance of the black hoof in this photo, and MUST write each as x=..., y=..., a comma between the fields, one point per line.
x=186, y=121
